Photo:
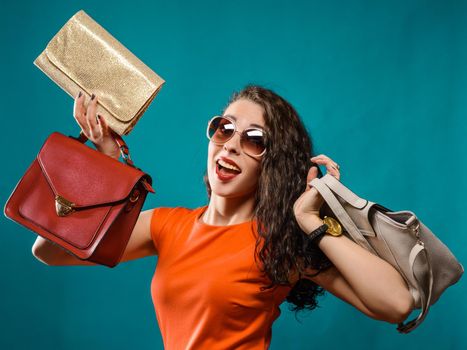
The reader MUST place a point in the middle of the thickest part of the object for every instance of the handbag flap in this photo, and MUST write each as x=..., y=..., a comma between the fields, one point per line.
x=83, y=175
x=97, y=62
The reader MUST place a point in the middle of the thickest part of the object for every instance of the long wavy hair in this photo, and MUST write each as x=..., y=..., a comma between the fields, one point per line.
x=281, y=244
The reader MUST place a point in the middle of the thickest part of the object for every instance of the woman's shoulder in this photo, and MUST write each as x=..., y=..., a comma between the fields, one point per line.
x=166, y=212
x=165, y=221
x=179, y=209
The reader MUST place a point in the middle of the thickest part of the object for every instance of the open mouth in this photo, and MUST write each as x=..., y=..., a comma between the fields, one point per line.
x=226, y=171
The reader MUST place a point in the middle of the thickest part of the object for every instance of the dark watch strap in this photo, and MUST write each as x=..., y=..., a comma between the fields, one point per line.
x=316, y=234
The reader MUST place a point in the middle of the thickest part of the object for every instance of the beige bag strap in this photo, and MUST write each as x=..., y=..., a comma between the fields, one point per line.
x=424, y=277
x=341, y=214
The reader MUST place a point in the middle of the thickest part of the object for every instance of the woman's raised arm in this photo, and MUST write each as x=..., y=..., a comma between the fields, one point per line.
x=98, y=132
x=364, y=280
x=358, y=277
x=140, y=245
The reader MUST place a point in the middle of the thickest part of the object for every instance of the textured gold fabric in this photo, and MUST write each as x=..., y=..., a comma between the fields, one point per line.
x=83, y=56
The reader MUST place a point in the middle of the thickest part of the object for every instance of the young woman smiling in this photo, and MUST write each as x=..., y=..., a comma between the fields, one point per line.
x=223, y=269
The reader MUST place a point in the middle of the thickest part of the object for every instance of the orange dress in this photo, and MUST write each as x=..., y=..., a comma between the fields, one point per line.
x=206, y=286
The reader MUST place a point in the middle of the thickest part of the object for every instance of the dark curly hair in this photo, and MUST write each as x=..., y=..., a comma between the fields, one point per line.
x=281, y=244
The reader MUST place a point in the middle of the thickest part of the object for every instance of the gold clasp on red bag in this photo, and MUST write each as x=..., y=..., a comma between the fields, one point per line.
x=63, y=207
x=133, y=199
x=134, y=196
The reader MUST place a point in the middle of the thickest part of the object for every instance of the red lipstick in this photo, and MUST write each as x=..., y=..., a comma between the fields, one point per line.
x=226, y=174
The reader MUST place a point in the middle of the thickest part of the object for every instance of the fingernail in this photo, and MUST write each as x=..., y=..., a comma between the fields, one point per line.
x=98, y=117
x=92, y=96
x=80, y=94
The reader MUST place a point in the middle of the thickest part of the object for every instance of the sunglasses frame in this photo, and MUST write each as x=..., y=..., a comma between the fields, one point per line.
x=242, y=133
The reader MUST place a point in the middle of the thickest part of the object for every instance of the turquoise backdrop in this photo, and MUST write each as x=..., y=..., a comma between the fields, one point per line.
x=381, y=86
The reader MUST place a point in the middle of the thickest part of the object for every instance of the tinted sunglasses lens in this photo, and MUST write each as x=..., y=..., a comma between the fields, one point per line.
x=254, y=142
x=220, y=130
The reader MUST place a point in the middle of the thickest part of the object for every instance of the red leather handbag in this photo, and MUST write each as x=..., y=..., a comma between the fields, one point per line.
x=81, y=199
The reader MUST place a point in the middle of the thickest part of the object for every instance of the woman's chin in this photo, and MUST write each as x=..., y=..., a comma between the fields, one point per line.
x=231, y=188
x=225, y=193
x=222, y=191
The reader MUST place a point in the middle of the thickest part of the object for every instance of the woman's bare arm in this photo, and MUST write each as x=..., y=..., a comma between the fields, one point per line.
x=364, y=280
x=140, y=245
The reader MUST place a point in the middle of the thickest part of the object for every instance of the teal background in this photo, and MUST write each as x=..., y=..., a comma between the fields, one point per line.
x=380, y=85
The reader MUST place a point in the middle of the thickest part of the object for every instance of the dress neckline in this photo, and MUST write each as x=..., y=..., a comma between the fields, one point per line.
x=199, y=220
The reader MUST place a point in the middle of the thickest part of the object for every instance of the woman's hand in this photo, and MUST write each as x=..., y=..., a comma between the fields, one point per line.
x=307, y=206
x=94, y=127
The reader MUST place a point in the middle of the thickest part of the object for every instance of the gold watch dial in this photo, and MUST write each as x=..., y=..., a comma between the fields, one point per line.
x=334, y=228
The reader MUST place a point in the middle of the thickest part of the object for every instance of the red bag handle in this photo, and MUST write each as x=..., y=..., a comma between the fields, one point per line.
x=124, y=150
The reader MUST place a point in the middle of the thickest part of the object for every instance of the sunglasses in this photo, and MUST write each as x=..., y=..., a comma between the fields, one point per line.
x=252, y=140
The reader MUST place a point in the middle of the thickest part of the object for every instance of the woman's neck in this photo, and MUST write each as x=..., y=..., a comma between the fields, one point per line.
x=223, y=211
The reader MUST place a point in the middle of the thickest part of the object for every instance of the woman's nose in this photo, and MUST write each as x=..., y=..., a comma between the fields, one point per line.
x=233, y=145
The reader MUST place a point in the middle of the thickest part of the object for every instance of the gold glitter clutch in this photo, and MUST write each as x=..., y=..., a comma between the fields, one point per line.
x=83, y=56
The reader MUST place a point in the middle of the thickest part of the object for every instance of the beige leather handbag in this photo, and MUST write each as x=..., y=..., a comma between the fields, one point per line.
x=400, y=238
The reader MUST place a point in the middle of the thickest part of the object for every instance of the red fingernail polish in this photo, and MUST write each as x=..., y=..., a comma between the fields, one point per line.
x=80, y=94
x=92, y=96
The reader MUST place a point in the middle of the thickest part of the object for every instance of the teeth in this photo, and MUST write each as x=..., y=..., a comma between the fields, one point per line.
x=227, y=165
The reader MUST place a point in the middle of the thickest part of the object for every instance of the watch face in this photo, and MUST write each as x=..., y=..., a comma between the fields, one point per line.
x=334, y=228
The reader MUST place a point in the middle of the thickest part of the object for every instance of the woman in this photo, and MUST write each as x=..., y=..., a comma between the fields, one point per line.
x=224, y=269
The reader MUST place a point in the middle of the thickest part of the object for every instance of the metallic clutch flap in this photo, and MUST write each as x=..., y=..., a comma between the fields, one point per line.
x=83, y=56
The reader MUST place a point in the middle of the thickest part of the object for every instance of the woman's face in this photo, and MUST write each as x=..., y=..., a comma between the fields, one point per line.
x=243, y=184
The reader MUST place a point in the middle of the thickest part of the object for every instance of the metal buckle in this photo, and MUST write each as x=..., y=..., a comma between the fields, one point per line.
x=416, y=228
x=134, y=196
x=63, y=206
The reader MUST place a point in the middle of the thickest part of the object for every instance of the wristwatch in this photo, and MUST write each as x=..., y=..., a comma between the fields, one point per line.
x=330, y=226
x=334, y=228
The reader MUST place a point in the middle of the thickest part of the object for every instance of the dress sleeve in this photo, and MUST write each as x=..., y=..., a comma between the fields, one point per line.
x=165, y=226
x=158, y=220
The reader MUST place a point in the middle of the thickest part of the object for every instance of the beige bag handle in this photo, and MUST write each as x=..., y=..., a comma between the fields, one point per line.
x=329, y=184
